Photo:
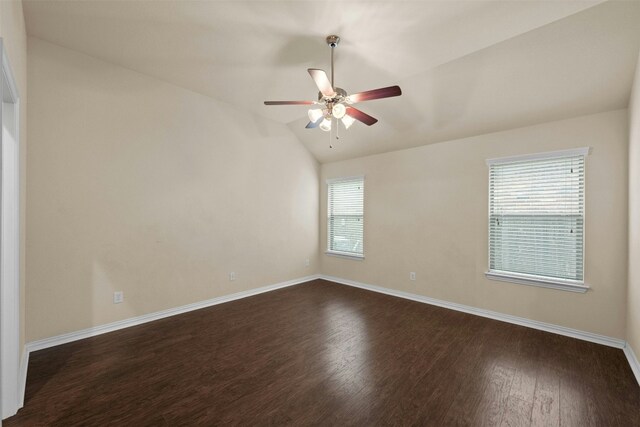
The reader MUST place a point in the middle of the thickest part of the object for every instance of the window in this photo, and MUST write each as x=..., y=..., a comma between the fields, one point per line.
x=345, y=221
x=536, y=219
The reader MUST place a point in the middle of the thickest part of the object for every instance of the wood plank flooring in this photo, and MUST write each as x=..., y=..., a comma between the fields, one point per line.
x=327, y=354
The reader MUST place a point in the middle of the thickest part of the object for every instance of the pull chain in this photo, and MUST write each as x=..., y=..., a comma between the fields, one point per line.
x=330, y=132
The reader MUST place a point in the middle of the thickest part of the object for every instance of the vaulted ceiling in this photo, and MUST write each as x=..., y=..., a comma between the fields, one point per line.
x=465, y=67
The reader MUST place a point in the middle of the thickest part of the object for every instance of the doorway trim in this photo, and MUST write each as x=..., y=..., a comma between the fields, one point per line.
x=11, y=387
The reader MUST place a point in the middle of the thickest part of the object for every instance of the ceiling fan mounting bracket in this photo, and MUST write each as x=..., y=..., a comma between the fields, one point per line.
x=333, y=41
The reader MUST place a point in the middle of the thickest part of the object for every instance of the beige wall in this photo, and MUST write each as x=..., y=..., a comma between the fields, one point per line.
x=633, y=300
x=426, y=211
x=14, y=36
x=141, y=186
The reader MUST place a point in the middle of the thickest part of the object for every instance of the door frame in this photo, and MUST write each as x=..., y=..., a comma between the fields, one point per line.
x=10, y=385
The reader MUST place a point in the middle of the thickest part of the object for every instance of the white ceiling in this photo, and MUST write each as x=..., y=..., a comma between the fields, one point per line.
x=465, y=67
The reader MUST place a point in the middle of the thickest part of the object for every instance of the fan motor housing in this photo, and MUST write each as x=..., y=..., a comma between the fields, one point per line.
x=340, y=94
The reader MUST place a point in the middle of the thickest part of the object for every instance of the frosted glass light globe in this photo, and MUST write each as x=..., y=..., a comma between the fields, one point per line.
x=347, y=121
x=338, y=111
x=325, y=125
x=314, y=114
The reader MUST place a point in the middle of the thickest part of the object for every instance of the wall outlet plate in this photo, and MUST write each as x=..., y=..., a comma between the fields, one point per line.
x=412, y=276
x=232, y=276
x=118, y=297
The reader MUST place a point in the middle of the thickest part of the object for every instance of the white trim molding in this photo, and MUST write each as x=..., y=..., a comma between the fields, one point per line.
x=539, y=282
x=22, y=378
x=547, y=327
x=145, y=318
x=9, y=240
x=345, y=255
x=633, y=361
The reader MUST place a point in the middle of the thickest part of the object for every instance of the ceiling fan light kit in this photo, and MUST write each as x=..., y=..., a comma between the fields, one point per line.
x=334, y=102
x=325, y=125
x=347, y=121
x=316, y=114
x=339, y=111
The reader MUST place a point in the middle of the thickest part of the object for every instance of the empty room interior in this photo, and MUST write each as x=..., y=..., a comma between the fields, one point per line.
x=320, y=213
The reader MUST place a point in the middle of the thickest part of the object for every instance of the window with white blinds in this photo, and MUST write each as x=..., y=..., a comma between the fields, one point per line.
x=536, y=217
x=345, y=221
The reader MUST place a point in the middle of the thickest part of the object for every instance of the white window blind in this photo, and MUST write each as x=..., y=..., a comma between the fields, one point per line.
x=536, y=217
x=345, y=220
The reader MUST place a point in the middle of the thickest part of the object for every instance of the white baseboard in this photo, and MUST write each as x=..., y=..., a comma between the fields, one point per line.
x=548, y=327
x=633, y=361
x=22, y=376
x=138, y=320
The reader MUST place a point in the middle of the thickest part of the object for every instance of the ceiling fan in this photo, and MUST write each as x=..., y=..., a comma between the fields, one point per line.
x=334, y=102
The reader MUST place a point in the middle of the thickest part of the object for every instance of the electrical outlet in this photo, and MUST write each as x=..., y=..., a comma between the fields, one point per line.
x=118, y=297
x=232, y=276
x=306, y=262
x=412, y=276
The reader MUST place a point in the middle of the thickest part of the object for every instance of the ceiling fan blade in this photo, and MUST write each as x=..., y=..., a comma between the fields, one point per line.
x=359, y=115
x=322, y=81
x=385, y=92
x=289, y=102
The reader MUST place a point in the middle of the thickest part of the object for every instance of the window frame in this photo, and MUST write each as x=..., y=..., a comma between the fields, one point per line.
x=340, y=254
x=530, y=279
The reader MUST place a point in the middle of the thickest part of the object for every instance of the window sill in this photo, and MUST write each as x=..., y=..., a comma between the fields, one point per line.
x=345, y=255
x=530, y=281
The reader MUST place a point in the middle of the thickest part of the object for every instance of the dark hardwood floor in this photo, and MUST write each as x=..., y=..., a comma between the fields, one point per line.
x=327, y=354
